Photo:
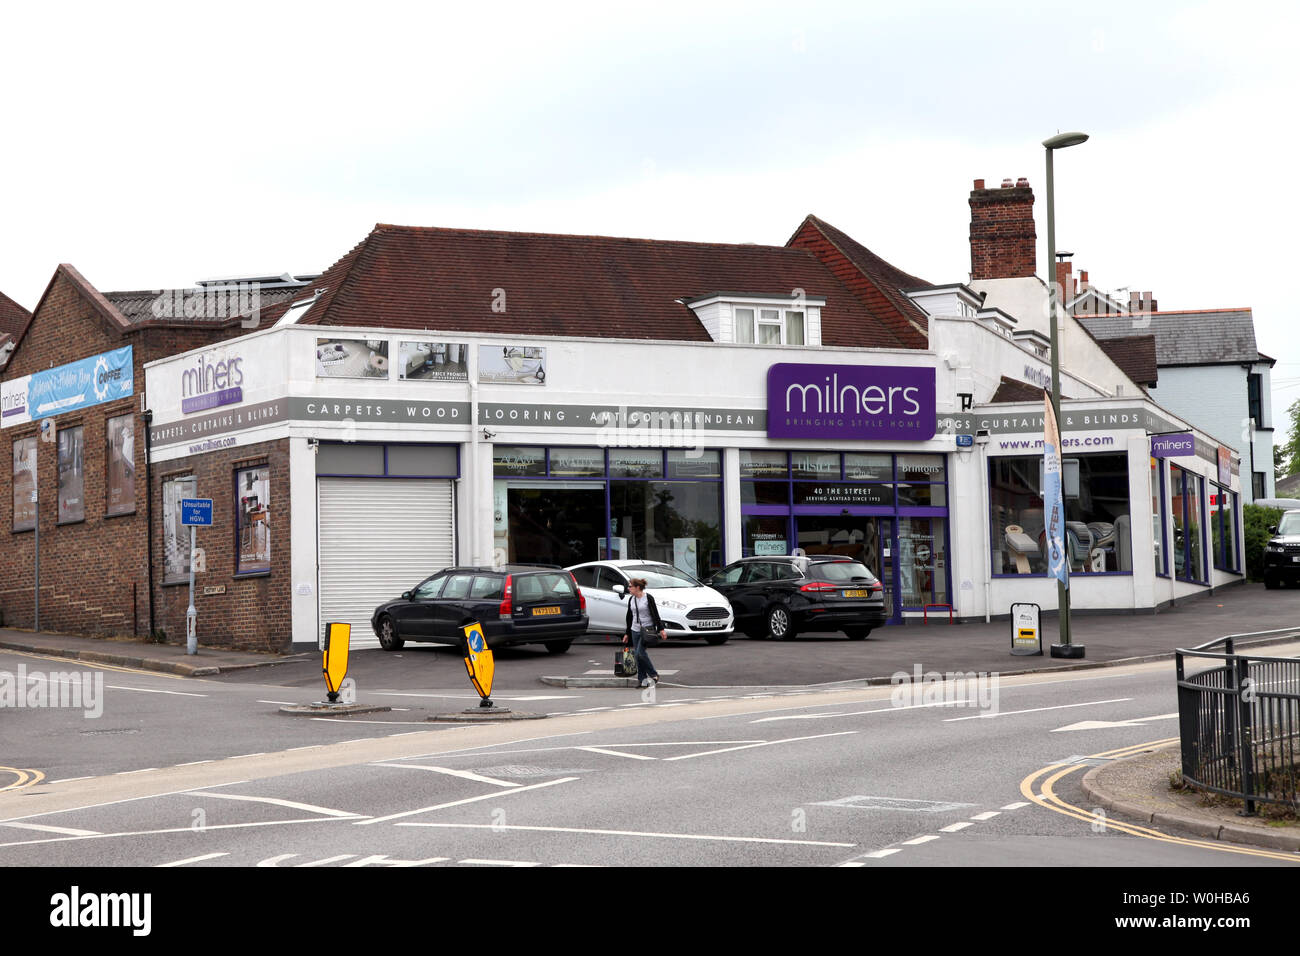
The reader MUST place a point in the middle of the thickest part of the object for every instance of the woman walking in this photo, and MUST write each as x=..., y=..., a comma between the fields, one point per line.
x=643, y=625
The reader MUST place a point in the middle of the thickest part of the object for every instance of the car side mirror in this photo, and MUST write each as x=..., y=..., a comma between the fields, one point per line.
x=619, y=590
x=406, y=595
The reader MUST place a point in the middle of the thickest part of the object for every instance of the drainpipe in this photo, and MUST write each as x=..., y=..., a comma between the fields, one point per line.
x=148, y=483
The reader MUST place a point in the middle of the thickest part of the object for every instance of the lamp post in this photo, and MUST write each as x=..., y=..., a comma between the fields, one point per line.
x=1060, y=141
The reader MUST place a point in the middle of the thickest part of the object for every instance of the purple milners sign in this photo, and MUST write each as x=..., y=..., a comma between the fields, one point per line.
x=850, y=401
x=1173, y=446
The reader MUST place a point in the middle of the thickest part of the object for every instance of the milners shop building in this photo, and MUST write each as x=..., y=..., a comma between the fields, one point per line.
x=450, y=396
x=354, y=445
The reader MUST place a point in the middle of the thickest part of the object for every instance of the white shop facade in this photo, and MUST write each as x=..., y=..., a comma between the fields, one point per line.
x=412, y=451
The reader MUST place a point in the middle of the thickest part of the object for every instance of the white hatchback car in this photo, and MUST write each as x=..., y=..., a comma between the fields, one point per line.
x=687, y=608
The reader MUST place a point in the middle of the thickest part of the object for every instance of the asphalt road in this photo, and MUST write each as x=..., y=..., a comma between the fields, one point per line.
x=857, y=777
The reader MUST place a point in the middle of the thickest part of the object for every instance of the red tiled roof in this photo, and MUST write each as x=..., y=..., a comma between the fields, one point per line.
x=545, y=284
x=1135, y=355
x=877, y=283
x=1014, y=390
x=13, y=317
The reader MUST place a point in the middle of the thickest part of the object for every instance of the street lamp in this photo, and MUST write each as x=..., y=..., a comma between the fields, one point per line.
x=1060, y=141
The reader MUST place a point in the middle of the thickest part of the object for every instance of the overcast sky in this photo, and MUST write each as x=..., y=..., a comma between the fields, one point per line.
x=151, y=146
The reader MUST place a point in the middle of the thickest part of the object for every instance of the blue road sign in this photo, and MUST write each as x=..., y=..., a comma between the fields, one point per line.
x=196, y=511
x=965, y=441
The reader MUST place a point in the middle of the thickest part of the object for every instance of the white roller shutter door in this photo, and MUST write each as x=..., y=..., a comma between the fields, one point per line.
x=378, y=537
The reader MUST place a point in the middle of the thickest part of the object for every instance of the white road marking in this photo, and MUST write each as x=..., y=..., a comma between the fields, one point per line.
x=1015, y=806
x=1035, y=710
x=881, y=854
x=919, y=840
x=382, y=860
x=193, y=763
x=465, y=774
x=616, y=753
x=989, y=815
x=633, y=833
x=499, y=863
x=328, y=859
x=764, y=743
x=146, y=690
x=354, y=720
x=274, y=860
x=288, y=703
x=1103, y=724
x=275, y=801
x=194, y=859
x=456, y=803
x=954, y=827
x=68, y=831
x=123, y=773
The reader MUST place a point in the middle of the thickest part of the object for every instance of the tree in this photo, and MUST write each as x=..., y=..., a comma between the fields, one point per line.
x=1290, y=451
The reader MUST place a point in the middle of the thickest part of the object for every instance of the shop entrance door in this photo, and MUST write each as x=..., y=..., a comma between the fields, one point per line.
x=870, y=539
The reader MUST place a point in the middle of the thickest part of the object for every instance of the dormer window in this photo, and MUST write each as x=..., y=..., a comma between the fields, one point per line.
x=769, y=326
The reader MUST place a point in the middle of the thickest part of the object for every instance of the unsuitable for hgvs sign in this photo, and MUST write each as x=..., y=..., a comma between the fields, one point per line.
x=850, y=401
x=196, y=511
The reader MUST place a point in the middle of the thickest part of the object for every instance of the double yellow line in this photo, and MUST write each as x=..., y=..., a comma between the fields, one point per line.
x=26, y=778
x=1046, y=797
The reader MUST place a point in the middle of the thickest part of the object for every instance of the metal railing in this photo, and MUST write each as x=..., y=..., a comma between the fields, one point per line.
x=1239, y=723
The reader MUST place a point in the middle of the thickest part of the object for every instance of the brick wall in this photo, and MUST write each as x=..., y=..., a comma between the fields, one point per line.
x=254, y=612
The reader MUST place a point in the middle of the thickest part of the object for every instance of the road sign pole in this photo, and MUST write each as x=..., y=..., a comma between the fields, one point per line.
x=36, y=591
x=191, y=615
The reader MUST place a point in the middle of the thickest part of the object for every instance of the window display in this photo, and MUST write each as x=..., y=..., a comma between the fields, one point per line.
x=253, y=520
x=25, y=484
x=176, y=537
x=72, y=484
x=121, y=465
x=1097, y=516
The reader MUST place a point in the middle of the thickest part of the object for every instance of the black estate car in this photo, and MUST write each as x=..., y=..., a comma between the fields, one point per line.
x=515, y=604
x=1282, y=553
x=781, y=595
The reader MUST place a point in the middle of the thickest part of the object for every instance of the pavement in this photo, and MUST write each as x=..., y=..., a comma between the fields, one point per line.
x=1137, y=788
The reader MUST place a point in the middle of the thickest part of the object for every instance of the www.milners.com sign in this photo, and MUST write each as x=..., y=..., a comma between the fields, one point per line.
x=850, y=401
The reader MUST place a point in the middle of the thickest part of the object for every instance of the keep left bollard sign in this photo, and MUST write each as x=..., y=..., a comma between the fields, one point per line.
x=335, y=659
x=478, y=660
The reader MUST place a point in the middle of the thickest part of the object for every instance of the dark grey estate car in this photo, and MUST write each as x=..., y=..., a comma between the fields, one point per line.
x=1282, y=553
x=515, y=604
x=781, y=595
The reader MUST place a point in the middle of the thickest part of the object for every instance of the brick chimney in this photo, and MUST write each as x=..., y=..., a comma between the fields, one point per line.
x=1002, y=236
x=1065, y=280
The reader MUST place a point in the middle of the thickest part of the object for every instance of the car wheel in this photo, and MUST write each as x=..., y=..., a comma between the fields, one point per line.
x=779, y=623
x=388, y=638
x=857, y=633
x=557, y=647
x=716, y=639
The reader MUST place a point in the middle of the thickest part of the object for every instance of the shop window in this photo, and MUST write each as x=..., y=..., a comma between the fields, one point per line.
x=815, y=465
x=695, y=463
x=1189, y=532
x=253, y=520
x=764, y=464
x=1223, y=529
x=636, y=463
x=1159, y=517
x=865, y=467
x=518, y=460
x=25, y=484
x=923, y=561
x=1097, y=517
x=72, y=472
x=120, y=457
x=176, y=537
x=678, y=523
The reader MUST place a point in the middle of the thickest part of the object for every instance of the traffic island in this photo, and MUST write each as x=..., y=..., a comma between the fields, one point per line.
x=324, y=707
x=478, y=715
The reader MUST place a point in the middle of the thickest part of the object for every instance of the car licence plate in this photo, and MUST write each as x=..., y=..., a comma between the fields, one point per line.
x=540, y=611
x=857, y=594
x=718, y=623
x=1296, y=558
